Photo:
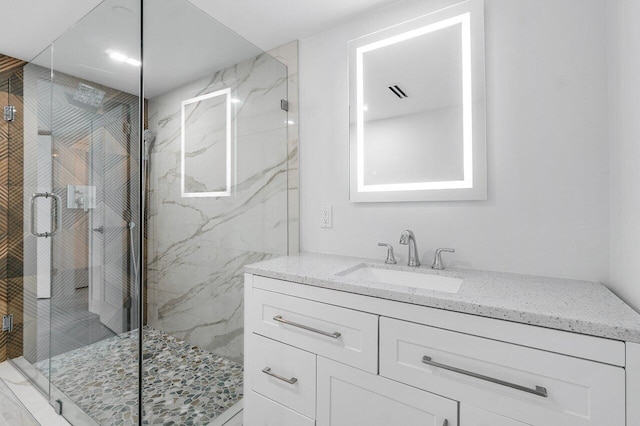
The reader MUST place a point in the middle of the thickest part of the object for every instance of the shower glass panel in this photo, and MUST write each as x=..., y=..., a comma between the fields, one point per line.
x=217, y=167
x=11, y=232
x=207, y=156
x=81, y=206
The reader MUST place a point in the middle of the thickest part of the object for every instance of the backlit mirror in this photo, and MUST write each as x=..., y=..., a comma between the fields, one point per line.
x=417, y=109
x=206, y=145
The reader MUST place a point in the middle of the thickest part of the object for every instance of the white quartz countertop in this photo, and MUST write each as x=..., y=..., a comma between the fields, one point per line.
x=578, y=306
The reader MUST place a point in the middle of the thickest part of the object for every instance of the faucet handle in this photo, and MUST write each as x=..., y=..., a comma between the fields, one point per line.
x=391, y=259
x=437, y=260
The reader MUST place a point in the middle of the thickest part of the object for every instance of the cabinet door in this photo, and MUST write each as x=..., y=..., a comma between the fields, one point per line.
x=261, y=411
x=351, y=397
x=473, y=416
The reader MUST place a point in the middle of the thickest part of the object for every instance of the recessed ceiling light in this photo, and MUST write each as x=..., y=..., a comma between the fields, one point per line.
x=365, y=107
x=117, y=56
x=235, y=100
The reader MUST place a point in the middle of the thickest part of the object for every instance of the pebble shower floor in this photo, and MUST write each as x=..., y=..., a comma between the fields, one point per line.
x=183, y=384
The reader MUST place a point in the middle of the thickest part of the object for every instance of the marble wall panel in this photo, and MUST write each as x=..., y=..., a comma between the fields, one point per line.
x=199, y=246
x=288, y=55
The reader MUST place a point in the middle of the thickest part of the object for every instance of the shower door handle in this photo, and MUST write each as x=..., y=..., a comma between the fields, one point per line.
x=55, y=214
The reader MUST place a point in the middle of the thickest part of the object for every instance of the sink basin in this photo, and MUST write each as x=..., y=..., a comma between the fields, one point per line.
x=405, y=278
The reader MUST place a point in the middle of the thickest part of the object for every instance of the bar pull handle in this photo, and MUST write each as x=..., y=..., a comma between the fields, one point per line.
x=55, y=214
x=268, y=372
x=333, y=335
x=539, y=390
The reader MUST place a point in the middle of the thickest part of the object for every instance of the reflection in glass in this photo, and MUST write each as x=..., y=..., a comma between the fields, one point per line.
x=206, y=145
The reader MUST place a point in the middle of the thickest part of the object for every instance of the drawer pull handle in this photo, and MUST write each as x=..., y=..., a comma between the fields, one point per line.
x=333, y=335
x=268, y=371
x=539, y=390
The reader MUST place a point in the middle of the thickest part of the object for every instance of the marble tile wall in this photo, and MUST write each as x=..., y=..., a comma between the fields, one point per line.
x=199, y=246
x=288, y=55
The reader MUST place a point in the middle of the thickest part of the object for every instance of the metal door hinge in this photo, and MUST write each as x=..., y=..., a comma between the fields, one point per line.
x=284, y=104
x=7, y=323
x=9, y=113
x=57, y=405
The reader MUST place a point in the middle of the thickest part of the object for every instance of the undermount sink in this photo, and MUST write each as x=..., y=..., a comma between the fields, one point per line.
x=405, y=278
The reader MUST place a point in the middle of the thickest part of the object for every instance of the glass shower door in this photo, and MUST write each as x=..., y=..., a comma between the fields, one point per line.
x=81, y=199
x=11, y=226
x=93, y=346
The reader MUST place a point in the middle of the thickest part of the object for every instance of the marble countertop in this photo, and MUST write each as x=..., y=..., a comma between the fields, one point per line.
x=578, y=306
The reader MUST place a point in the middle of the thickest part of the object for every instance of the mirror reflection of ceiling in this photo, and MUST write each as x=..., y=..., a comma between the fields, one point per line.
x=433, y=57
x=182, y=44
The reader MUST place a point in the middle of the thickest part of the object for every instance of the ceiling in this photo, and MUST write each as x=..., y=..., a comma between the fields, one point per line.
x=275, y=22
x=182, y=44
x=428, y=69
x=34, y=24
x=28, y=26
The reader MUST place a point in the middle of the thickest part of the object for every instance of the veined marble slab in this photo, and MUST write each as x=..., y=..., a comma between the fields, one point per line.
x=578, y=306
x=198, y=246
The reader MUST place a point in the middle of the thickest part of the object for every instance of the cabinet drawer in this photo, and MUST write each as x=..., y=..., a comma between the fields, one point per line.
x=284, y=374
x=261, y=411
x=503, y=378
x=341, y=334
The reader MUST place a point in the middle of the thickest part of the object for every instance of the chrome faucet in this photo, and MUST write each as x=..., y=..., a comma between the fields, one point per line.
x=407, y=238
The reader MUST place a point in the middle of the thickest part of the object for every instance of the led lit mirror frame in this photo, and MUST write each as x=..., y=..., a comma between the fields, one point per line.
x=184, y=144
x=469, y=15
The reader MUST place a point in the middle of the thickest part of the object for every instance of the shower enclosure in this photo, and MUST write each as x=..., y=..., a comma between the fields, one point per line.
x=158, y=158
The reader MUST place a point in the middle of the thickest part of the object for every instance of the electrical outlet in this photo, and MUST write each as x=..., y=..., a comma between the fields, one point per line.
x=326, y=217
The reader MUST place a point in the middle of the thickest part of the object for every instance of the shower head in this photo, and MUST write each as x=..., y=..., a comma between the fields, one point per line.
x=149, y=140
x=87, y=97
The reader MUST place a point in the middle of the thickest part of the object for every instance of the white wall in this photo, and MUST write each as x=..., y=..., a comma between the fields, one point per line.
x=624, y=78
x=548, y=209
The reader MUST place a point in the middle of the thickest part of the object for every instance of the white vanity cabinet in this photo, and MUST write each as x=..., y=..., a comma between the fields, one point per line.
x=316, y=356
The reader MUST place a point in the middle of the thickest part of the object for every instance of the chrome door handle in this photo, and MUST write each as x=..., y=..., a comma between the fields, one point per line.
x=539, y=390
x=333, y=335
x=55, y=214
x=268, y=371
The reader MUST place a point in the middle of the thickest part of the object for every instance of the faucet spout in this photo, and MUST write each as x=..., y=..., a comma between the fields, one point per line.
x=408, y=238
